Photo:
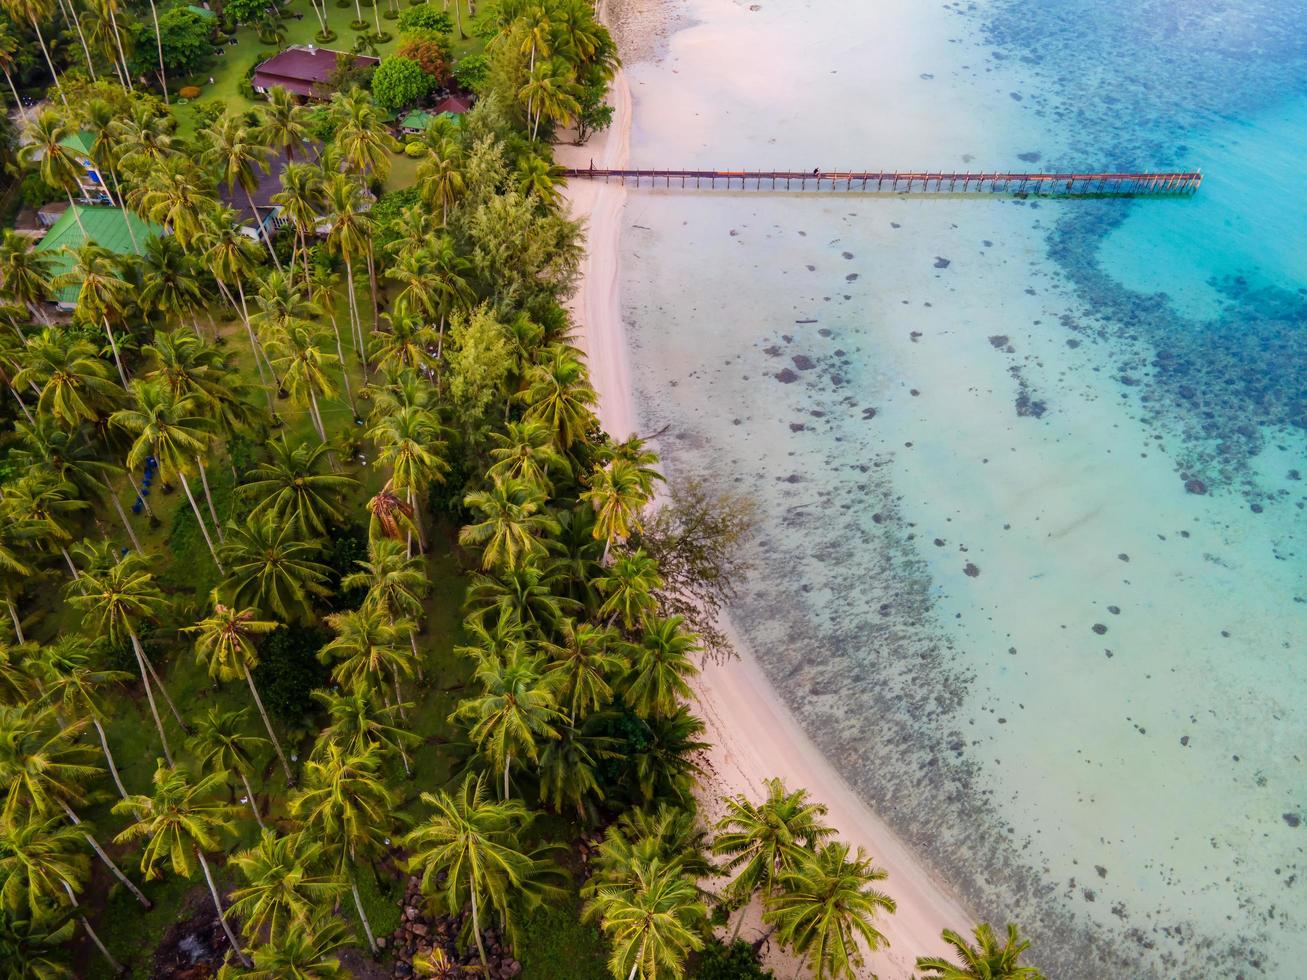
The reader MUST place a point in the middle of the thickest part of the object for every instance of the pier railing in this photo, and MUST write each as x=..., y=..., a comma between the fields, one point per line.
x=930, y=182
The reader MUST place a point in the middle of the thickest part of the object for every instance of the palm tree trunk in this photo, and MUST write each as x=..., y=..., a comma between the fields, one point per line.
x=372, y=284
x=208, y=497
x=144, y=502
x=158, y=40
x=802, y=959
x=122, y=205
x=508, y=761
x=244, y=311
x=222, y=916
x=108, y=861
x=417, y=520
x=272, y=736
x=203, y=528
x=18, y=623
x=122, y=516
x=122, y=56
x=46, y=51
x=164, y=691
x=149, y=696
x=340, y=353
x=376, y=15
x=267, y=239
x=108, y=757
x=69, y=559
x=476, y=928
x=114, y=344
x=104, y=951
x=359, y=10
x=18, y=103
x=77, y=216
x=249, y=795
x=356, y=328
x=458, y=13
x=363, y=916
x=86, y=50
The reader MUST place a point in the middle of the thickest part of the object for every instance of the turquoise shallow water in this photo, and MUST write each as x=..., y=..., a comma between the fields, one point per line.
x=1030, y=569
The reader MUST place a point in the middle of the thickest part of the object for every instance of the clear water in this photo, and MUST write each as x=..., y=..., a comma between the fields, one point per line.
x=973, y=427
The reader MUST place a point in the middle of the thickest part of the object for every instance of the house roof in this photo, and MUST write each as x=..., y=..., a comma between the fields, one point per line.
x=455, y=105
x=79, y=142
x=416, y=119
x=268, y=185
x=104, y=226
x=302, y=69
x=204, y=12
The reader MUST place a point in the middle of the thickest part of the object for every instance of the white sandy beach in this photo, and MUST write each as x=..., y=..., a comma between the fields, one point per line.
x=754, y=736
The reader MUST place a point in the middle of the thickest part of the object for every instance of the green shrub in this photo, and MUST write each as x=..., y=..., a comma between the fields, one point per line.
x=737, y=961
x=426, y=18
x=414, y=151
x=289, y=670
x=471, y=72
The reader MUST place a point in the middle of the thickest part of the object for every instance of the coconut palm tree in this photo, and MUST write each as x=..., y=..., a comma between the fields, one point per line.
x=559, y=395
x=74, y=385
x=115, y=601
x=97, y=117
x=547, y=95
x=177, y=195
x=291, y=486
x=361, y=139
x=108, y=38
x=349, y=232
x=765, y=840
x=569, y=770
x=47, y=507
x=660, y=663
x=300, y=200
x=538, y=177
x=825, y=910
x=618, y=495
x=221, y=744
x=284, y=888
x=396, y=583
x=35, y=12
x=653, y=919
x=43, y=772
x=235, y=152
x=272, y=569
x=368, y=651
x=179, y=822
x=440, y=176
x=73, y=686
x=408, y=443
x=391, y=517
x=176, y=432
x=283, y=123
x=986, y=960
x=669, y=833
x=528, y=595
x=36, y=944
x=628, y=588
x=351, y=810
x=526, y=451
x=26, y=275
x=407, y=343
x=450, y=274
x=9, y=64
x=663, y=767
x=169, y=284
x=306, y=953
x=582, y=664
x=358, y=723
x=102, y=293
x=42, y=862
x=513, y=522
x=517, y=708
x=468, y=850
x=297, y=355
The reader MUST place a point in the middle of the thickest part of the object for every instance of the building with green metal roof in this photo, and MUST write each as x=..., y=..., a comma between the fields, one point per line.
x=111, y=228
x=89, y=181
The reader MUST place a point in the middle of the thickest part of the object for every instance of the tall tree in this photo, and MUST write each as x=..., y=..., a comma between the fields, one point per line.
x=178, y=823
x=35, y=12
x=221, y=744
x=102, y=293
x=272, y=569
x=408, y=443
x=513, y=522
x=653, y=918
x=284, y=885
x=236, y=152
x=291, y=485
x=987, y=959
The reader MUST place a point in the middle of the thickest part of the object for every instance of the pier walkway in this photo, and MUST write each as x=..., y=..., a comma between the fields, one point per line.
x=859, y=181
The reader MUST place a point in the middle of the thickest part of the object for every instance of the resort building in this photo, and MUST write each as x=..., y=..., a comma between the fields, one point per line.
x=121, y=232
x=452, y=107
x=255, y=210
x=92, y=187
x=303, y=69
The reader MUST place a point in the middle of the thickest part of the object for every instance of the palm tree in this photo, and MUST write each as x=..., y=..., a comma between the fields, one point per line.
x=763, y=841
x=408, y=342
x=513, y=522
x=440, y=176
x=525, y=451
x=582, y=664
x=114, y=601
x=653, y=919
x=291, y=486
x=559, y=395
x=107, y=37
x=546, y=95
x=282, y=123
x=396, y=583
x=179, y=823
x=362, y=140
x=102, y=291
x=34, y=12
x=408, y=443
x=391, y=517
x=569, y=770
x=169, y=284
x=528, y=595
x=349, y=232
x=272, y=569
x=656, y=683
x=300, y=200
x=26, y=275
x=232, y=257
x=663, y=767
x=97, y=117
x=358, y=724
x=177, y=195
x=43, y=861
x=469, y=847
x=175, y=432
x=539, y=177
x=825, y=908
x=221, y=744
x=350, y=809
x=986, y=960
x=517, y=708
x=617, y=494
x=234, y=151
x=450, y=273
x=307, y=953
x=302, y=363
x=9, y=64
x=45, y=506
x=43, y=769
x=31, y=943
x=629, y=588
x=72, y=686
x=368, y=648
x=284, y=889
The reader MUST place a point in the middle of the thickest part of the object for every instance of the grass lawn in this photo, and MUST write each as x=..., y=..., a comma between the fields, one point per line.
x=229, y=68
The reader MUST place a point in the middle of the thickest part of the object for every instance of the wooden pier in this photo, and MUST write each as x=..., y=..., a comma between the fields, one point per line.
x=904, y=182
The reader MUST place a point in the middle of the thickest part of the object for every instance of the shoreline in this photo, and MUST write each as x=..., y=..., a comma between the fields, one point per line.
x=753, y=735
